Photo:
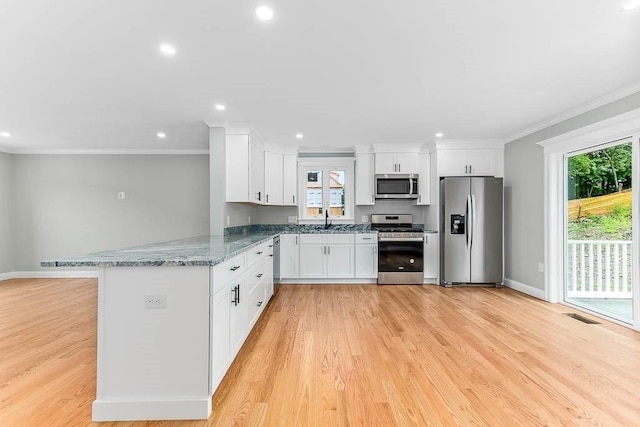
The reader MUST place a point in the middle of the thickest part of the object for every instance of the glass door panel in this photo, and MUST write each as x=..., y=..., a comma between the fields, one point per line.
x=314, y=194
x=599, y=217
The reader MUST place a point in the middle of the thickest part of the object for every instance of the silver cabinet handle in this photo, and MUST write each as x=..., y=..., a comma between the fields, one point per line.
x=399, y=169
x=465, y=168
x=234, y=268
x=294, y=199
x=296, y=240
x=470, y=169
x=267, y=198
x=328, y=250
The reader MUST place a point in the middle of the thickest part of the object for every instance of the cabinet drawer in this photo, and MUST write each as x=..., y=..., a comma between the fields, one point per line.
x=257, y=300
x=255, y=275
x=366, y=238
x=313, y=238
x=340, y=238
x=228, y=270
x=255, y=254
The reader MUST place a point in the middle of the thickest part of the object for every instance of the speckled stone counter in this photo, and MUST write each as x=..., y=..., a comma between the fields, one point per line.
x=193, y=251
x=202, y=250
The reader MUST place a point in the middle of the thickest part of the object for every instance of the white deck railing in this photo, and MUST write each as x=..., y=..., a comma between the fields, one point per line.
x=599, y=269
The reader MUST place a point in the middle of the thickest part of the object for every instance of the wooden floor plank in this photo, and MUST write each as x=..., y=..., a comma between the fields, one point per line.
x=343, y=355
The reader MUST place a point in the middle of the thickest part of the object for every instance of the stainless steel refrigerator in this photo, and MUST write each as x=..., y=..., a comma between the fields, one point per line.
x=471, y=231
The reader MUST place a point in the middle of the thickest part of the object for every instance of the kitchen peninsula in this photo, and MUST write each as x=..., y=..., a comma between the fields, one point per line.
x=171, y=318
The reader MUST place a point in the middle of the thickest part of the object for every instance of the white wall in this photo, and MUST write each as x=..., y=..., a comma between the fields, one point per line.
x=524, y=192
x=67, y=204
x=7, y=202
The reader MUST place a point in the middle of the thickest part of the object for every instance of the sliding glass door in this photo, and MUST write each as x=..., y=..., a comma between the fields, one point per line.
x=599, y=218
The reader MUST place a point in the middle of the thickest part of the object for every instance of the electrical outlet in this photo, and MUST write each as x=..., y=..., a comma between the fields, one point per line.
x=365, y=219
x=249, y=219
x=228, y=220
x=155, y=301
x=292, y=219
x=122, y=195
x=541, y=267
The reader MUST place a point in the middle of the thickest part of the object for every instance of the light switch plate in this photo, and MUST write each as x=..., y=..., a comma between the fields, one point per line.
x=541, y=267
x=122, y=195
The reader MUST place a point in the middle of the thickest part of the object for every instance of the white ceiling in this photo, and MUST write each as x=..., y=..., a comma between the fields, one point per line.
x=88, y=74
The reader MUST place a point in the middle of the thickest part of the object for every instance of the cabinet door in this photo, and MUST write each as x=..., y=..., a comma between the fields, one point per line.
x=220, y=340
x=312, y=260
x=366, y=261
x=273, y=175
x=431, y=257
x=238, y=316
x=340, y=261
x=237, y=165
x=386, y=163
x=407, y=162
x=256, y=173
x=482, y=162
x=424, y=179
x=289, y=256
x=364, y=179
x=452, y=162
x=290, y=180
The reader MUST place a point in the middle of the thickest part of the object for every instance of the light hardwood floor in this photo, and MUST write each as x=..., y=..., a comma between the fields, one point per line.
x=347, y=355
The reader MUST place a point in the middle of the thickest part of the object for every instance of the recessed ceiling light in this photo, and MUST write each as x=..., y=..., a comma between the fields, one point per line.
x=299, y=135
x=161, y=135
x=220, y=107
x=5, y=134
x=439, y=135
x=167, y=49
x=633, y=4
x=264, y=12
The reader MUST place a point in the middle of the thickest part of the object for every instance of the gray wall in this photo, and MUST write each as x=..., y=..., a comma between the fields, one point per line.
x=67, y=204
x=7, y=201
x=524, y=192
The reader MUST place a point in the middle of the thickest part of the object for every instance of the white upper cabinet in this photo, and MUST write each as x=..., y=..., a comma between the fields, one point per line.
x=290, y=180
x=402, y=163
x=244, y=169
x=482, y=162
x=273, y=178
x=424, y=180
x=364, y=179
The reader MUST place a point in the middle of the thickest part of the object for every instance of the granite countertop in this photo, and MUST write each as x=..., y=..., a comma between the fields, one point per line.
x=193, y=251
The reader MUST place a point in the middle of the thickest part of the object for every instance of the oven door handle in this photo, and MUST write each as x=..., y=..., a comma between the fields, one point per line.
x=396, y=239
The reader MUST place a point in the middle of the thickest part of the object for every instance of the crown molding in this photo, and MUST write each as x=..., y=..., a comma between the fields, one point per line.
x=467, y=144
x=611, y=129
x=574, y=112
x=129, y=151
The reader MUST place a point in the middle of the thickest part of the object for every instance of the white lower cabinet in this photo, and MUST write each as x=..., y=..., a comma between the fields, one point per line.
x=327, y=256
x=289, y=256
x=431, y=261
x=366, y=258
x=241, y=288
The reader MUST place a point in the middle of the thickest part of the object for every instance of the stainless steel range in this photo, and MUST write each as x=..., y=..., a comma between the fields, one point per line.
x=400, y=250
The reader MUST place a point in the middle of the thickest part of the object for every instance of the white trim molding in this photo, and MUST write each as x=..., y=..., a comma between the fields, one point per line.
x=556, y=150
x=574, y=112
x=102, y=151
x=525, y=289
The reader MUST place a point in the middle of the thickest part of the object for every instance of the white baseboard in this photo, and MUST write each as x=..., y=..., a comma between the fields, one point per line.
x=48, y=274
x=525, y=289
x=139, y=410
x=328, y=281
x=6, y=276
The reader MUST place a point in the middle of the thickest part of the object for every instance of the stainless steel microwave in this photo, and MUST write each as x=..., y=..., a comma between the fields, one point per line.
x=397, y=186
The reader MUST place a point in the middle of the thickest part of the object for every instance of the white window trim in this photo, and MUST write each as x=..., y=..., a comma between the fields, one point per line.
x=623, y=126
x=327, y=163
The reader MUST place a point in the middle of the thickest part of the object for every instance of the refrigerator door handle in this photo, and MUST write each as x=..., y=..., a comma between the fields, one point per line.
x=473, y=219
x=467, y=214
